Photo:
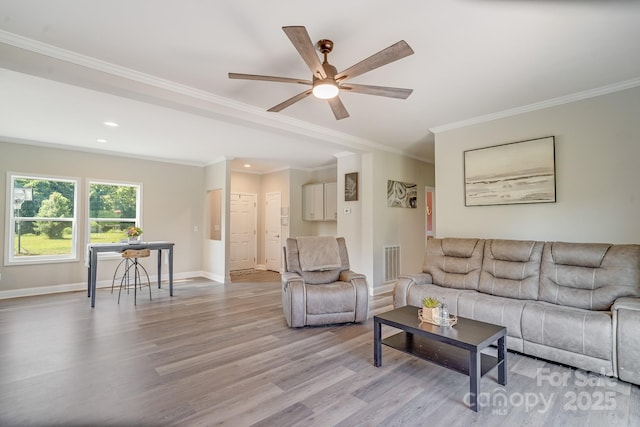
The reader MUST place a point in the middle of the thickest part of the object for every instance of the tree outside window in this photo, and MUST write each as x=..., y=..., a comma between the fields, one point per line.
x=42, y=219
x=112, y=209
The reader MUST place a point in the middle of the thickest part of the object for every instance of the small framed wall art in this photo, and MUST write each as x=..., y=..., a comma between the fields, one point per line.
x=351, y=187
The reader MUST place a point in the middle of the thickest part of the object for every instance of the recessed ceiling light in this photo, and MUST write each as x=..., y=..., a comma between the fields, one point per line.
x=247, y=165
x=101, y=140
x=111, y=124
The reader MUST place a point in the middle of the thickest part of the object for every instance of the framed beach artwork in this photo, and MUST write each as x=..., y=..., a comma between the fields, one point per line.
x=515, y=173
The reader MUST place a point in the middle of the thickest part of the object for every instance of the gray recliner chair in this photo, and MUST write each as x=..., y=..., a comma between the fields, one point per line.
x=318, y=288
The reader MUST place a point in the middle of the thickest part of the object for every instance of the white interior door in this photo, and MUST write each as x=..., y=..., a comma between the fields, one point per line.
x=243, y=231
x=273, y=229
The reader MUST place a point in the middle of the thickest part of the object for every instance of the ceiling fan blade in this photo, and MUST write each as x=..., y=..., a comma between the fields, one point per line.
x=302, y=42
x=338, y=108
x=290, y=101
x=269, y=78
x=384, y=57
x=390, y=92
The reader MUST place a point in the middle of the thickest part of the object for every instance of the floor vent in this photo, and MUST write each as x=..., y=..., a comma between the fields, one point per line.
x=391, y=263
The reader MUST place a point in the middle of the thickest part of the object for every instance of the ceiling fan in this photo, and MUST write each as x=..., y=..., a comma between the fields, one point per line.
x=327, y=82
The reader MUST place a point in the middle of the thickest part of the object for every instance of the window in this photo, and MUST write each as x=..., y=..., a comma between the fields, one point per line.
x=42, y=219
x=112, y=209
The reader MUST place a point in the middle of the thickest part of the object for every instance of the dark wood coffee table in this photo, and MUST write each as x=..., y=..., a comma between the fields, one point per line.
x=455, y=347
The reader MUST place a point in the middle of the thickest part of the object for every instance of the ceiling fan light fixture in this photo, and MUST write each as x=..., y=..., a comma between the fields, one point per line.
x=325, y=89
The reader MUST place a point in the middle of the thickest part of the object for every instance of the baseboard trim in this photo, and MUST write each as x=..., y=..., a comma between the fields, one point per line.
x=384, y=288
x=82, y=286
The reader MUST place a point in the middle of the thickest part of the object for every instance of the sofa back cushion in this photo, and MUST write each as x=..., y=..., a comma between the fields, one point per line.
x=511, y=268
x=292, y=263
x=453, y=262
x=589, y=275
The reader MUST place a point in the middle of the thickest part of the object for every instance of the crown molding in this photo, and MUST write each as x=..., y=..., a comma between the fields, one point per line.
x=553, y=102
x=230, y=108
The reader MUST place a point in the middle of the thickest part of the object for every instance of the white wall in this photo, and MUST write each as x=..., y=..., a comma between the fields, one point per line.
x=597, y=174
x=216, y=252
x=350, y=225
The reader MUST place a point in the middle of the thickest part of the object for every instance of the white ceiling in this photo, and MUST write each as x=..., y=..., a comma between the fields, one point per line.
x=159, y=69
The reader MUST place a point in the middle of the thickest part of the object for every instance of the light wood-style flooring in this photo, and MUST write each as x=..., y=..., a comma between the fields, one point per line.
x=222, y=355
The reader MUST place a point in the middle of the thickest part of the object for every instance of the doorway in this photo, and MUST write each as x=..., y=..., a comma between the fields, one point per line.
x=430, y=216
x=273, y=231
x=243, y=226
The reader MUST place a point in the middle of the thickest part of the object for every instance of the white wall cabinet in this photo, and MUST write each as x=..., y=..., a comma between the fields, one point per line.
x=319, y=202
x=331, y=201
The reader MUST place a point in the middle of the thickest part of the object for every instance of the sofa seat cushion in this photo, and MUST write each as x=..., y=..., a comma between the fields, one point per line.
x=491, y=309
x=511, y=268
x=337, y=297
x=575, y=330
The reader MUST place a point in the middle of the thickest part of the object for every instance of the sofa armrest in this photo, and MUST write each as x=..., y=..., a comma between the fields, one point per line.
x=404, y=284
x=626, y=320
x=627, y=303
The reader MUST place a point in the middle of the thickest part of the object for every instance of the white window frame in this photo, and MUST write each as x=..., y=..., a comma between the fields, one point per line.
x=137, y=219
x=10, y=258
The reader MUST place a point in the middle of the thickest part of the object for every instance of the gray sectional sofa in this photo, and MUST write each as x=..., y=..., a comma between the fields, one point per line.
x=572, y=303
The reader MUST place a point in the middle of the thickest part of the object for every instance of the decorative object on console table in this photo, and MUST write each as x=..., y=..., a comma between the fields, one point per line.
x=515, y=173
x=351, y=187
x=134, y=233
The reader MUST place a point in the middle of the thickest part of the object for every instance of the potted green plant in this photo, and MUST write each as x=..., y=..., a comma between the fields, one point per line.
x=431, y=309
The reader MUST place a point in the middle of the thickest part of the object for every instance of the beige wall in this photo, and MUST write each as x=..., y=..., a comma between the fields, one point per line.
x=172, y=209
x=403, y=226
x=597, y=174
x=371, y=225
x=175, y=208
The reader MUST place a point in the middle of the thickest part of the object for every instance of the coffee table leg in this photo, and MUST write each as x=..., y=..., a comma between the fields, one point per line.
x=502, y=360
x=377, y=344
x=474, y=379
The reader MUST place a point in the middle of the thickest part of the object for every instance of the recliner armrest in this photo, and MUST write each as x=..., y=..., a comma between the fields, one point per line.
x=288, y=277
x=348, y=275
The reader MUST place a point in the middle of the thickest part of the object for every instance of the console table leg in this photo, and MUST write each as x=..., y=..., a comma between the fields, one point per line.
x=377, y=344
x=474, y=379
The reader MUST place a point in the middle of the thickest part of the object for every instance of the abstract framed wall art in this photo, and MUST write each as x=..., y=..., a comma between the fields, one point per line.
x=514, y=173
x=402, y=194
